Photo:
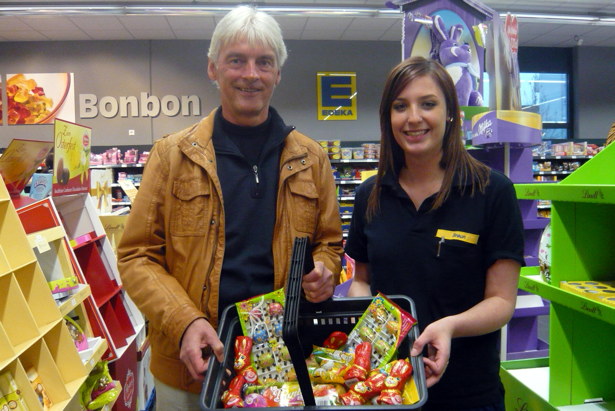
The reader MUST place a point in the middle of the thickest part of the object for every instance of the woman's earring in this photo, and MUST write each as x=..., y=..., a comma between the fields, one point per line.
x=450, y=119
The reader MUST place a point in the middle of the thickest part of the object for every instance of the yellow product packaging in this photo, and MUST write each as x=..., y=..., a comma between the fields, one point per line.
x=410, y=395
x=10, y=393
x=595, y=290
x=39, y=388
x=325, y=365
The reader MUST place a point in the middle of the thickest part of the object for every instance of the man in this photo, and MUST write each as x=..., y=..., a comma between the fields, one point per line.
x=219, y=206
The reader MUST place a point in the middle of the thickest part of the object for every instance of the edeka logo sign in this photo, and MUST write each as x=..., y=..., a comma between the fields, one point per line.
x=143, y=106
x=337, y=95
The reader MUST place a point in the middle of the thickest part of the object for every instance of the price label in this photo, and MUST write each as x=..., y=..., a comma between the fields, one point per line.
x=41, y=244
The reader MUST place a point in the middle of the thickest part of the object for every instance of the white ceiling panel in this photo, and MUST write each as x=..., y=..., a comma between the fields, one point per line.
x=327, y=23
x=99, y=23
x=322, y=34
x=42, y=23
x=109, y=34
x=201, y=23
x=120, y=25
x=59, y=35
x=27, y=35
x=153, y=34
x=144, y=22
x=8, y=24
x=371, y=24
x=352, y=35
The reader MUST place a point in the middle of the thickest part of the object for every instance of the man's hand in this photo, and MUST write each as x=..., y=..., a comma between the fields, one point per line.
x=199, y=338
x=319, y=283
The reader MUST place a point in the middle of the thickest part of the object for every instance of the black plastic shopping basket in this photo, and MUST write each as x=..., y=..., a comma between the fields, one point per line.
x=307, y=324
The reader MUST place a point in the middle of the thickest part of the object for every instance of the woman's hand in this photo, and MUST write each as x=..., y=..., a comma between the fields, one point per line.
x=437, y=337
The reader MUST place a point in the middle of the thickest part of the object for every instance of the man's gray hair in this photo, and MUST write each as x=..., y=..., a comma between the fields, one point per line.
x=254, y=26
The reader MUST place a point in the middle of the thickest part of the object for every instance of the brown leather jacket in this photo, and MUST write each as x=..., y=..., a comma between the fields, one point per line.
x=171, y=252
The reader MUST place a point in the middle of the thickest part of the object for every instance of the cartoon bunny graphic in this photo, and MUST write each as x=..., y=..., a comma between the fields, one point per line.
x=457, y=59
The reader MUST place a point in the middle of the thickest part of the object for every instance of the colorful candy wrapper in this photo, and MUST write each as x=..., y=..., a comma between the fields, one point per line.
x=384, y=324
x=363, y=391
x=243, y=362
x=231, y=398
x=361, y=364
x=325, y=365
x=261, y=319
x=394, y=383
x=335, y=340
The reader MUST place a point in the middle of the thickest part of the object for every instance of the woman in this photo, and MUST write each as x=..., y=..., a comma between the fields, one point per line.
x=439, y=226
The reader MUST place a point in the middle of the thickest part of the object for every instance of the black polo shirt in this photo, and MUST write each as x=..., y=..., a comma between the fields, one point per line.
x=439, y=259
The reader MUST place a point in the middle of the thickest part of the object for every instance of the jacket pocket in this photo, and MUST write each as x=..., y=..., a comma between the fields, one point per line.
x=191, y=207
x=304, y=201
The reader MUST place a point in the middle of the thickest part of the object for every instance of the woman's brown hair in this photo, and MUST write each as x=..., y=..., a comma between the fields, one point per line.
x=456, y=161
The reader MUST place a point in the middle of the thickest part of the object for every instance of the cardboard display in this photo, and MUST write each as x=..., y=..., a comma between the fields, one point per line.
x=20, y=160
x=71, y=160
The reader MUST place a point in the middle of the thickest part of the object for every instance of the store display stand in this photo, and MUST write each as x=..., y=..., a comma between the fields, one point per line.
x=33, y=335
x=504, y=139
x=581, y=364
x=113, y=315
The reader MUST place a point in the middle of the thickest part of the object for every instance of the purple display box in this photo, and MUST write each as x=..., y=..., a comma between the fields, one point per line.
x=466, y=14
x=520, y=128
x=523, y=340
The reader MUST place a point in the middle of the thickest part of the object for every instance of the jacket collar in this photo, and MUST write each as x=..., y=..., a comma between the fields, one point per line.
x=198, y=144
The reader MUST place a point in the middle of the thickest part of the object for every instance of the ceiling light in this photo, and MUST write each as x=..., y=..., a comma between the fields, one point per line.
x=563, y=19
x=196, y=10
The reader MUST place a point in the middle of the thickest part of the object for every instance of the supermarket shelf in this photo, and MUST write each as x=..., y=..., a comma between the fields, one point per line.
x=117, y=185
x=531, y=281
x=83, y=292
x=348, y=181
x=116, y=165
x=578, y=193
x=351, y=160
x=552, y=173
x=575, y=157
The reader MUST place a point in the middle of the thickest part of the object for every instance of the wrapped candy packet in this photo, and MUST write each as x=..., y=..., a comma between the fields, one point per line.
x=243, y=361
x=261, y=319
x=384, y=324
x=394, y=383
x=360, y=367
x=325, y=365
x=361, y=392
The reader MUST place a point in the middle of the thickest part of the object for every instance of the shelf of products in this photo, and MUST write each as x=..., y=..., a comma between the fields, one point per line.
x=582, y=364
x=349, y=174
x=113, y=185
x=350, y=166
x=111, y=313
x=556, y=168
x=43, y=362
x=108, y=173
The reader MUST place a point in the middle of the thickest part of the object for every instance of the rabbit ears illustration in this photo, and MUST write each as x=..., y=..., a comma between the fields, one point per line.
x=440, y=32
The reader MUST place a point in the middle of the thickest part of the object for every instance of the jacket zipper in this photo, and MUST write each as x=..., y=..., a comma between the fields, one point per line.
x=255, y=169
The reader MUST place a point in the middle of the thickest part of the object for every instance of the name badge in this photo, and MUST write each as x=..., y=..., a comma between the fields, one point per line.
x=457, y=235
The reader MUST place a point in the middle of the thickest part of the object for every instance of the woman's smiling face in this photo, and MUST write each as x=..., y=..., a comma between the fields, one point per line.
x=418, y=117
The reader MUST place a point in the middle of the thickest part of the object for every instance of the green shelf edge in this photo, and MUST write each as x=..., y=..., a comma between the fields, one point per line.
x=579, y=193
x=531, y=281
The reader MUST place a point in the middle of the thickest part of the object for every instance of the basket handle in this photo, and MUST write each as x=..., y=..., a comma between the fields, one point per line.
x=301, y=264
